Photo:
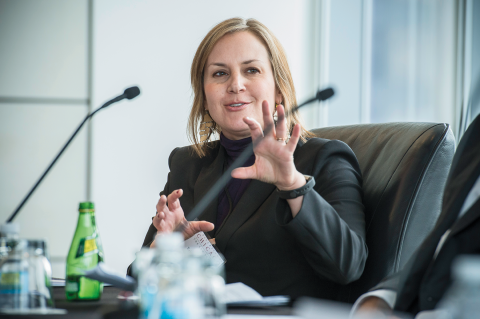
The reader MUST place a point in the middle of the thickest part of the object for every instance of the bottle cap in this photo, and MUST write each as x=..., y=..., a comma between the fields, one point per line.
x=10, y=228
x=86, y=205
x=169, y=241
x=38, y=245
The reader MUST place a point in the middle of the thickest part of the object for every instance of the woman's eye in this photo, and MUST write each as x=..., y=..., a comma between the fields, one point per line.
x=219, y=73
x=253, y=71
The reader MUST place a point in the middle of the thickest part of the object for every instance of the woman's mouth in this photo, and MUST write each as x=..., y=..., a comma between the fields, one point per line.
x=238, y=106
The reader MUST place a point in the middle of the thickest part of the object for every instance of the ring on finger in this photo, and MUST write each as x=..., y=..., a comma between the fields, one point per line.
x=281, y=139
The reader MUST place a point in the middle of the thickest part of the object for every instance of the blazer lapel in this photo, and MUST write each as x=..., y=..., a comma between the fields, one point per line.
x=470, y=216
x=255, y=195
x=463, y=173
x=208, y=176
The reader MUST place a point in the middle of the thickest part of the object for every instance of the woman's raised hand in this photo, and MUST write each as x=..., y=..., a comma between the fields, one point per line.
x=170, y=214
x=273, y=157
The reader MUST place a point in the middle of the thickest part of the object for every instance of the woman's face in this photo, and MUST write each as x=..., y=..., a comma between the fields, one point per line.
x=238, y=77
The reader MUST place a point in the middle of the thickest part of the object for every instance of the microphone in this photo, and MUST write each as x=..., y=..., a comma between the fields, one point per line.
x=320, y=96
x=325, y=94
x=129, y=94
x=212, y=194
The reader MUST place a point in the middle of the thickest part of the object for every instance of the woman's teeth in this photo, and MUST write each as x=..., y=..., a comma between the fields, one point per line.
x=238, y=104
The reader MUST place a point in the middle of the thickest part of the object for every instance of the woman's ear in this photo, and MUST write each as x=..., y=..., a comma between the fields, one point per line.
x=278, y=96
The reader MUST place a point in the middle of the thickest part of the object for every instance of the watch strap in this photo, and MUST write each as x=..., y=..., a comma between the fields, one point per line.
x=294, y=193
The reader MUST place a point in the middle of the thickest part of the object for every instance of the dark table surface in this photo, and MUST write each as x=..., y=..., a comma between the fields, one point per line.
x=109, y=306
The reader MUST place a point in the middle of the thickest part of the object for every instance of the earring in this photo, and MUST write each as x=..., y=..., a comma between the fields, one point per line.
x=275, y=116
x=206, y=127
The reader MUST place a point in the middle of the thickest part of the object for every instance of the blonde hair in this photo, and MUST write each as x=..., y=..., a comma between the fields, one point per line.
x=281, y=74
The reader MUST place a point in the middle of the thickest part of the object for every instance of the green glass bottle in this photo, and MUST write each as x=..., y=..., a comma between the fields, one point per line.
x=85, y=253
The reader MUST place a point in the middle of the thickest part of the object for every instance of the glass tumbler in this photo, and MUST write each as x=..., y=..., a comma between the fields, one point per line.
x=25, y=279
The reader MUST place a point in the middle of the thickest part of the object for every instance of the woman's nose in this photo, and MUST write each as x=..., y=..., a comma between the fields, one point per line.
x=236, y=83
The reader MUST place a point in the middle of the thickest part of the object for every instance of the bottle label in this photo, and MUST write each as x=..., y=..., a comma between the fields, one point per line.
x=71, y=286
x=13, y=282
x=87, y=246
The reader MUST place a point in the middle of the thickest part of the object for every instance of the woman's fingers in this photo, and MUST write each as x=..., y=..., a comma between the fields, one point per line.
x=269, y=126
x=173, y=202
x=202, y=225
x=162, y=202
x=254, y=126
x=169, y=212
x=159, y=219
x=245, y=172
x=292, y=142
x=281, y=128
x=197, y=226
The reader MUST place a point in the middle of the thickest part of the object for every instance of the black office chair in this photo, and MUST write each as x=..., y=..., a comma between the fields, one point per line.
x=404, y=168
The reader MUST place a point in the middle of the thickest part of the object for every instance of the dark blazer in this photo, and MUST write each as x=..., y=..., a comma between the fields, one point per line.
x=312, y=254
x=423, y=281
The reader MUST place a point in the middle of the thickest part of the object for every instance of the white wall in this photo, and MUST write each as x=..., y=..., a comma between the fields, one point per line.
x=43, y=93
x=151, y=44
x=43, y=49
x=341, y=65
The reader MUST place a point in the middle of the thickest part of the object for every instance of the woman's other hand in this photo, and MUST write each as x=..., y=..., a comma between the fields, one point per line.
x=170, y=214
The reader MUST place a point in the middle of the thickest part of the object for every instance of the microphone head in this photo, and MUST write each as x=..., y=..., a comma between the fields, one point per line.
x=325, y=94
x=132, y=92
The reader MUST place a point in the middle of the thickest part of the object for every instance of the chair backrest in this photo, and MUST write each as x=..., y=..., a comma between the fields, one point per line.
x=404, y=168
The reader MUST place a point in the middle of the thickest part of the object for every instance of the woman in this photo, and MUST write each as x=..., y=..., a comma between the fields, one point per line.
x=306, y=244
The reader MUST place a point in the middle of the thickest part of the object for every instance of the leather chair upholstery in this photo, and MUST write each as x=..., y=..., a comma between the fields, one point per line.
x=404, y=167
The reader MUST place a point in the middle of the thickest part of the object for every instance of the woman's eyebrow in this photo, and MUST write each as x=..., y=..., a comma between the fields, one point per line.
x=218, y=64
x=224, y=65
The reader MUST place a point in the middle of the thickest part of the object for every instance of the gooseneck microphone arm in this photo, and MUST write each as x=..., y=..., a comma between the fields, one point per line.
x=244, y=156
x=129, y=94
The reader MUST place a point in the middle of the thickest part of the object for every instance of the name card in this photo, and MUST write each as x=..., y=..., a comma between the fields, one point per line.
x=200, y=240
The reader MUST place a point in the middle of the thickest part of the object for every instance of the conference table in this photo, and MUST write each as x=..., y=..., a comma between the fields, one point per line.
x=110, y=306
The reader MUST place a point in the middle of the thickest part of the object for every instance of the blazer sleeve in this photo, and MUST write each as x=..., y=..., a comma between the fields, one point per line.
x=330, y=226
x=401, y=281
x=391, y=282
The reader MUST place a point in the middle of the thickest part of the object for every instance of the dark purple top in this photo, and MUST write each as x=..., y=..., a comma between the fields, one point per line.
x=229, y=197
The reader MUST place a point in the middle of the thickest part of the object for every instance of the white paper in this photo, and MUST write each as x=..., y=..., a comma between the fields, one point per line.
x=239, y=294
x=199, y=240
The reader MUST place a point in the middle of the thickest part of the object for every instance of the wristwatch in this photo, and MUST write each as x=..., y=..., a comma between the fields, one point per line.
x=294, y=193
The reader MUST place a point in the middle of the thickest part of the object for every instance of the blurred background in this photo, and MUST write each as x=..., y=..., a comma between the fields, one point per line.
x=389, y=61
